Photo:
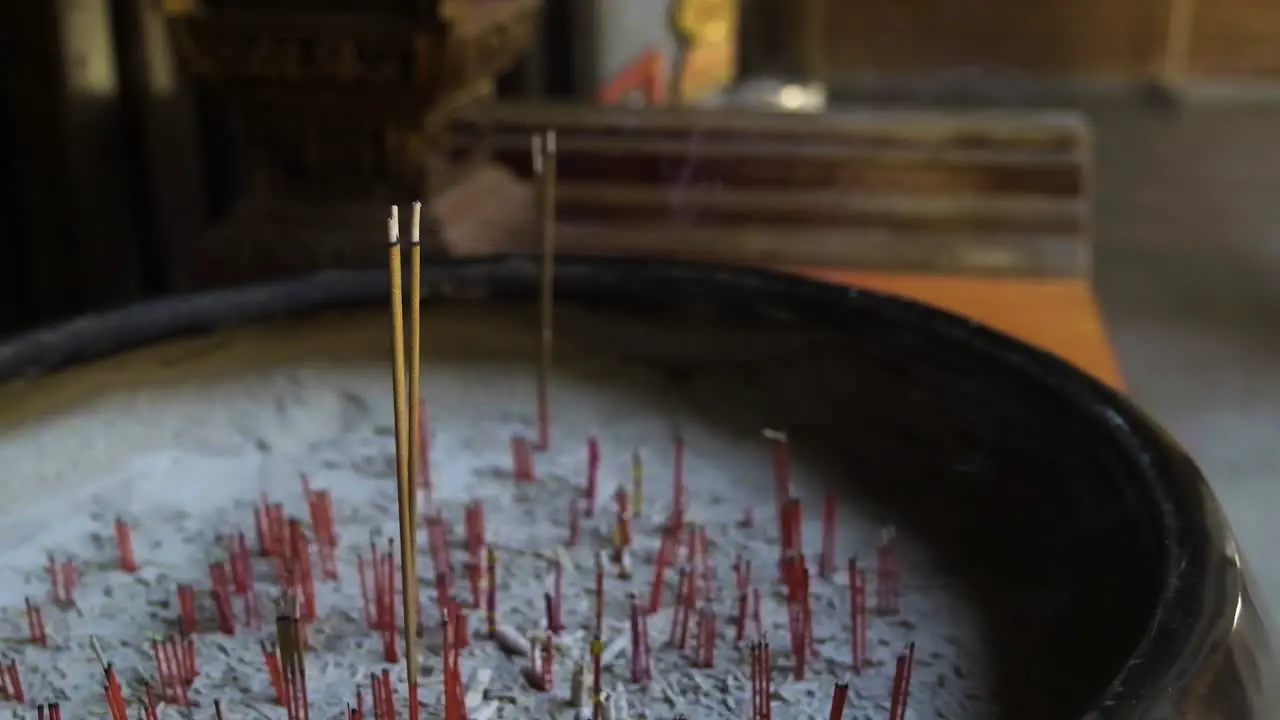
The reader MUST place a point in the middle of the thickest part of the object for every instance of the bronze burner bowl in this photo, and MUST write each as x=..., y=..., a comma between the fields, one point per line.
x=1111, y=582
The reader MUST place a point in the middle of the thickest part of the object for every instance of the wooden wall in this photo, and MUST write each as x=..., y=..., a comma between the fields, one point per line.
x=1236, y=39
x=1075, y=37
x=1109, y=40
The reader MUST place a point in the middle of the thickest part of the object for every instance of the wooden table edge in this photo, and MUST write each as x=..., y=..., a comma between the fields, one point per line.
x=1059, y=315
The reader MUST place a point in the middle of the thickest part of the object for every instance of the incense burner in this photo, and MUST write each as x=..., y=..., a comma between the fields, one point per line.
x=1110, y=585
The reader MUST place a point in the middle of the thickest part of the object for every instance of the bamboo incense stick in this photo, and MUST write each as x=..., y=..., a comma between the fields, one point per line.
x=404, y=487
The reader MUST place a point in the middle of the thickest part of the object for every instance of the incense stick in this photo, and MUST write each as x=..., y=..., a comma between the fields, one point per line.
x=404, y=488
x=415, y=431
x=415, y=354
x=544, y=162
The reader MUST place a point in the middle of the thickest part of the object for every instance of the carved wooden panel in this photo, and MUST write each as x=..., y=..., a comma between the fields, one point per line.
x=341, y=91
x=489, y=40
x=363, y=7
x=238, y=50
x=280, y=47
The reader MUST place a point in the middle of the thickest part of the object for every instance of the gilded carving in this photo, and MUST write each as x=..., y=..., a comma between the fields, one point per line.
x=707, y=35
x=706, y=21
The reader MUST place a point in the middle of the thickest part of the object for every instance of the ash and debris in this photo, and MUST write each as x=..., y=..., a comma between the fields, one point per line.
x=260, y=431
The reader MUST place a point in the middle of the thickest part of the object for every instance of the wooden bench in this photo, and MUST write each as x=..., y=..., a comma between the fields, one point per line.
x=981, y=192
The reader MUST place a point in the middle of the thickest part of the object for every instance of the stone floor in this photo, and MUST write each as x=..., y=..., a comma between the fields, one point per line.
x=1188, y=266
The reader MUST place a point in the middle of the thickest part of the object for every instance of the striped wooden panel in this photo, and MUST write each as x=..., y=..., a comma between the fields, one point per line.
x=971, y=192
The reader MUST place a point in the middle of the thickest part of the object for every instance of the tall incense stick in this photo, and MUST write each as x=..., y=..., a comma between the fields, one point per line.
x=415, y=433
x=415, y=356
x=404, y=484
x=544, y=166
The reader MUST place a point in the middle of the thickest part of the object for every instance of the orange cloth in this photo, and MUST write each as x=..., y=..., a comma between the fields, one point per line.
x=1056, y=314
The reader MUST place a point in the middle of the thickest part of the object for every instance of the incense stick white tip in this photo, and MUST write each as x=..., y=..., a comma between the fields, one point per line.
x=97, y=651
x=415, y=225
x=777, y=435
x=614, y=649
x=609, y=710
x=477, y=684
x=393, y=226
x=551, y=142
x=487, y=711
x=535, y=150
x=578, y=687
x=510, y=641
